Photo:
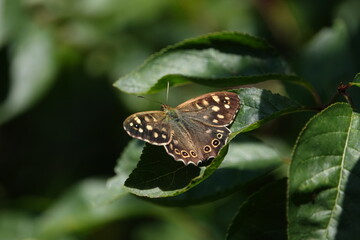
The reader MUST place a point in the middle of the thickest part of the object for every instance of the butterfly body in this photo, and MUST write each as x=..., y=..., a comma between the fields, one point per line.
x=192, y=132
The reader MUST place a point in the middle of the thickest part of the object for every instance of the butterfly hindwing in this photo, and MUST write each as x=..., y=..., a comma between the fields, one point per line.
x=149, y=126
x=217, y=108
x=201, y=146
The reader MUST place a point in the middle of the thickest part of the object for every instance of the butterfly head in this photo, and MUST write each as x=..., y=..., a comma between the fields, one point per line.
x=169, y=111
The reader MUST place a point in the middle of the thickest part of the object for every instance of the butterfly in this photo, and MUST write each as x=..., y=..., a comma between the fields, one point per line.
x=192, y=132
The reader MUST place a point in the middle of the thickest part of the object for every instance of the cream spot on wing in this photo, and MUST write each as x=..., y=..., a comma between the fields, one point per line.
x=171, y=146
x=215, y=108
x=227, y=106
x=176, y=142
x=131, y=124
x=154, y=118
x=156, y=134
x=163, y=136
x=215, y=121
x=163, y=129
x=220, y=116
x=227, y=98
x=206, y=103
x=198, y=106
x=205, y=117
x=147, y=119
x=137, y=120
x=141, y=130
x=218, y=130
x=216, y=99
x=148, y=127
x=208, y=131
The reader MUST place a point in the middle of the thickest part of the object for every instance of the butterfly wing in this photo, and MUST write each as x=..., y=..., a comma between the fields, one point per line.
x=193, y=142
x=150, y=126
x=216, y=109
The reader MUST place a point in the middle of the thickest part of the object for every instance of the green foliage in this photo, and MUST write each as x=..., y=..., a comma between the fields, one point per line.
x=323, y=175
x=319, y=170
x=60, y=119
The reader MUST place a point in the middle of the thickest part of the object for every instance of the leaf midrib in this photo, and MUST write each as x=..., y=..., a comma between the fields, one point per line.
x=331, y=219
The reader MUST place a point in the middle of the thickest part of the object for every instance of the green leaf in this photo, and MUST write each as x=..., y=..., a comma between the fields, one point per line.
x=356, y=81
x=357, y=77
x=220, y=60
x=125, y=164
x=246, y=160
x=32, y=72
x=324, y=177
x=327, y=59
x=262, y=216
x=75, y=212
x=259, y=106
x=158, y=175
x=16, y=225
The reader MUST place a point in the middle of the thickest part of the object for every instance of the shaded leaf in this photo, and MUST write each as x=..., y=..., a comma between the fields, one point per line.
x=324, y=177
x=74, y=211
x=327, y=59
x=262, y=216
x=247, y=159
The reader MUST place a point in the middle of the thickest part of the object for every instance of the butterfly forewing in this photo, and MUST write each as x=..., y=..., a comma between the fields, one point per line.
x=217, y=108
x=150, y=126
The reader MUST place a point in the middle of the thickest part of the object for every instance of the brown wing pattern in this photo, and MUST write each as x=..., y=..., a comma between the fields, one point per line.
x=217, y=108
x=193, y=142
x=192, y=132
x=150, y=126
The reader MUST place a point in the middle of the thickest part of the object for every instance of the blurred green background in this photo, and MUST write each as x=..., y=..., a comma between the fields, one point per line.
x=61, y=118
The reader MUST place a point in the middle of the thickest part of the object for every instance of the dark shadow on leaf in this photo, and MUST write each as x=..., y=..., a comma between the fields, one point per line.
x=226, y=180
x=349, y=222
x=157, y=169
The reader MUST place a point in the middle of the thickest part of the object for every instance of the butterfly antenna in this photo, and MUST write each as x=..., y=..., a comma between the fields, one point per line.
x=167, y=92
x=151, y=100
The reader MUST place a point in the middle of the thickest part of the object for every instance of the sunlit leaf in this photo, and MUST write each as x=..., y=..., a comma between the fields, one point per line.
x=220, y=60
x=324, y=177
x=356, y=81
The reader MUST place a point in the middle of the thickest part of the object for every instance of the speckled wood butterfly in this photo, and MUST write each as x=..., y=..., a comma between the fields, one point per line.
x=192, y=132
